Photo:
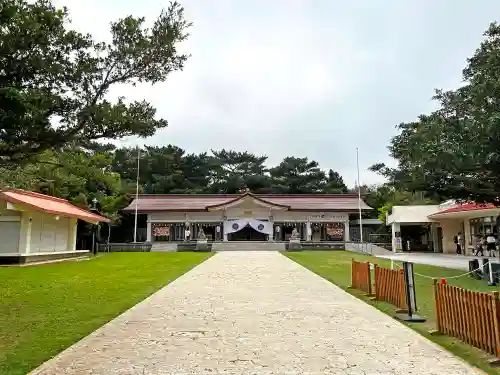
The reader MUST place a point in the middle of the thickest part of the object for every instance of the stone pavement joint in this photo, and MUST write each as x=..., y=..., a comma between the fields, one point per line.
x=253, y=313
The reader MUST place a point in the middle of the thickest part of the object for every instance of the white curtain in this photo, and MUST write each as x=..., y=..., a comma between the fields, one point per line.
x=232, y=226
x=261, y=226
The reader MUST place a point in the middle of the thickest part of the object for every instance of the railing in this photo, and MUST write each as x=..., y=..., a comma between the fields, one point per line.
x=472, y=317
x=368, y=247
x=361, y=278
x=314, y=245
x=360, y=247
x=124, y=247
x=390, y=287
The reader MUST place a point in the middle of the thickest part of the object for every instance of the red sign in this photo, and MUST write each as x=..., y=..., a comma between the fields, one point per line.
x=335, y=230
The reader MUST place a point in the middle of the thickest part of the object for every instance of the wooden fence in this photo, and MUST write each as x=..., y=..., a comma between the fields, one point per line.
x=361, y=277
x=472, y=317
x=390, y=287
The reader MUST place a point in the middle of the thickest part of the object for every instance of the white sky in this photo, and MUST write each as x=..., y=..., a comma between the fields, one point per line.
x=313, y=78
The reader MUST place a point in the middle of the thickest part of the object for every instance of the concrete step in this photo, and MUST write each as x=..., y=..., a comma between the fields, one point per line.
x=248, y=246
x=164, y=247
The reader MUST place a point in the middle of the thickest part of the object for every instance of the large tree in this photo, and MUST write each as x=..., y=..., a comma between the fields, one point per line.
x=163, y=170
x=74, y=174
x=54, y=81
x=335, y=183
x=168, y=169
x=232, y=171
x=455, y=151
x=298, y=175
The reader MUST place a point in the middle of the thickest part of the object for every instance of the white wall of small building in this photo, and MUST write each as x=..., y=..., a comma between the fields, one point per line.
x=49, y=234
x=30, y=232
x=10, y=226
x=450, y=228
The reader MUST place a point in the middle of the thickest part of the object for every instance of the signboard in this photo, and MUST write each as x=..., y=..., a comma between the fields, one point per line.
x=328, y=216
x=398, y=243
x=335, y=230
x=161, y=230
x=410, y=287
x=411, y=301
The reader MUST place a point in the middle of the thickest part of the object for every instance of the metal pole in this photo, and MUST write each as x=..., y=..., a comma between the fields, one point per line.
x=136, y=193
x=359, y=198
x=94, y=227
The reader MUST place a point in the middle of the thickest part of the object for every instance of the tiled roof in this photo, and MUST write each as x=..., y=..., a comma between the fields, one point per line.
x=199, y=202
x=50, y=205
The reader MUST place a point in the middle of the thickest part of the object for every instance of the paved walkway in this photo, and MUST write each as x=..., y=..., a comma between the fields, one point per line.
x=459, y=262
x=253, y=313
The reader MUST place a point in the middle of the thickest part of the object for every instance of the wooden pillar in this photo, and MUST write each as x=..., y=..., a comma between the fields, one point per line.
x=25, y=233
x=73, y=223
x=308, y=231
x=149, y=230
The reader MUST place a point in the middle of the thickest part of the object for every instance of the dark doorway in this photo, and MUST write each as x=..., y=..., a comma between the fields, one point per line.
x=417, y=236
x=440, y=240
x=247, y=234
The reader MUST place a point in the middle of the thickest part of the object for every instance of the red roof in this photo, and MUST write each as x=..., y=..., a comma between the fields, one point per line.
x=467, y=207
x=200, y=202
x=50, y=205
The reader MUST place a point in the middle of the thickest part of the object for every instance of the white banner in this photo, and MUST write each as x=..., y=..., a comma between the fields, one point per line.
x=232, y=226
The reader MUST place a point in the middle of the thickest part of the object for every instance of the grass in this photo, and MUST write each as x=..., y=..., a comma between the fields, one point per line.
x=45, y=309
x=335, y=266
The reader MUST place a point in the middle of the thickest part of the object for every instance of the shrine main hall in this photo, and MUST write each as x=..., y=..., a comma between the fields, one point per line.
x=245, y=216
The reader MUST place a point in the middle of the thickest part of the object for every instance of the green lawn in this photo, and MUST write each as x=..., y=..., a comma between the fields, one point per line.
x=335, y=266
x=46, y=308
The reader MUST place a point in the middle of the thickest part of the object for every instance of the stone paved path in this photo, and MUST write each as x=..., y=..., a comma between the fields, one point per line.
x=253, y=313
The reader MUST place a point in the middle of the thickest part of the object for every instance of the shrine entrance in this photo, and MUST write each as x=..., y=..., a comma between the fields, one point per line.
x=247, y=233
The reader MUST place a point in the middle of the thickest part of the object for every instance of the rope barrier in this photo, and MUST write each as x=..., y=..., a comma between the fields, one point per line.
x=445, y=277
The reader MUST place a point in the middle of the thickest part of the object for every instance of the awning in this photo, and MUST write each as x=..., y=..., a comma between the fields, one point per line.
x=50, y=205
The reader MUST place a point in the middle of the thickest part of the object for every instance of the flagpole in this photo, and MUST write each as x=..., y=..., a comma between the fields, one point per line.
x=359, y=199
x=137, y=193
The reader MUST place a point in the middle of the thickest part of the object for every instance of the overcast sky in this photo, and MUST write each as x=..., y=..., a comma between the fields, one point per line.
x=313, y=78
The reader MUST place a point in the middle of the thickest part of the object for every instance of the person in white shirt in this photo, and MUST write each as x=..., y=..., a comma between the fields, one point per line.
x=491, y=244
x=187, y=234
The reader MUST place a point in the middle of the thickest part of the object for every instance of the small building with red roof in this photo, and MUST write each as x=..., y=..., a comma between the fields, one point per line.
x=435, y=227
x=36, y=227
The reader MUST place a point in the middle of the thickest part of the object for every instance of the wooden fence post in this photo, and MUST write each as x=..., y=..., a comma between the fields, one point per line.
x=353, y=281
x=437, y=302
x=496, y=333
x=369, y=279
x=374, y=285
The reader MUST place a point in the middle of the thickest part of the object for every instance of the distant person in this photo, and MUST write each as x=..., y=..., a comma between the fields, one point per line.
x=479, y=246
x=458, y=242
x=491, y=244
x=187, y=233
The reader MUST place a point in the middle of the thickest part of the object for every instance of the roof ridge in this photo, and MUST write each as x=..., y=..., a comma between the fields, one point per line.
x=34, y=194
x=59, y=206
x=308, y=195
